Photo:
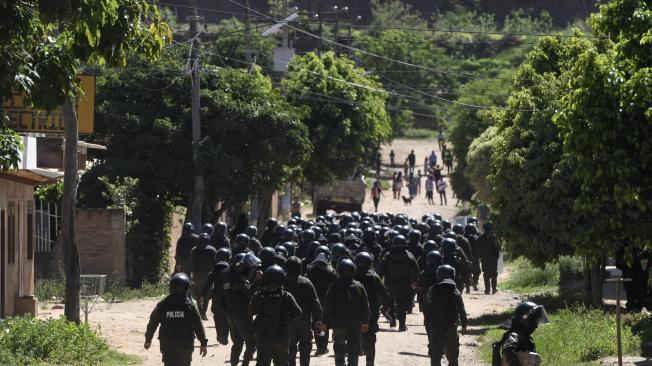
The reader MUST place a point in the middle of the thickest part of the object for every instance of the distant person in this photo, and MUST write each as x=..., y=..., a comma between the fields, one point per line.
x=202, y=259
x=412, y=186
x=376, y=193
x=489, y=253
x=394, y=187
x=426, y=164
x=406, y=167
x=441, y=138
x=295, y=207
x=418, y=181
x=432, y=158
x=412, y=161
x=398, y=184
x=441, y=189
x=391, y=158
x=430, y=187
x=448, y=161
x=437, y=173
x=378, y=164
x=180, y=322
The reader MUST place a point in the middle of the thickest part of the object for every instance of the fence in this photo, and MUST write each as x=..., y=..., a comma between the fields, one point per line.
x=47, y=217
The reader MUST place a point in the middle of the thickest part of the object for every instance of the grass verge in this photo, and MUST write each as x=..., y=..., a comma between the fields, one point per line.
x=418, y=134
x=28, y=341
x=576, y=336
x=54, y=289
x=525, y=278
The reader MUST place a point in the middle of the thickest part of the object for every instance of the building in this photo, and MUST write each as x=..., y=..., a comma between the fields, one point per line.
x=17, y=232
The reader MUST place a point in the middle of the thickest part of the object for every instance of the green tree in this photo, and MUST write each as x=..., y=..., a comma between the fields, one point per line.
x=344, y=111
x=225, y=45
x=395, y=13
x=42, y=46
x=605, y=121
x=479, y=164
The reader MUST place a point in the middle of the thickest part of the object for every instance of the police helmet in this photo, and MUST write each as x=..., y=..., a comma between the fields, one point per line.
x=470, y=230
x=242, y=240
x=429, y=246
x=346, y=268
x=364, y=261
x=208, y=229
x=414, y=237
x=293, y=266
x=179, y=284
x=223, y=255
x=188, y=226
x=399, y=241
x=529, y=315
x=252, y=231
x=445, y=272
x=434, y=258
x=273, y=278
x=458, y=229
x=448, y=245
x=204, y=238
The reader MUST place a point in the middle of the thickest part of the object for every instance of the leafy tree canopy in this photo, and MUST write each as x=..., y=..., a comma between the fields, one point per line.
x=344, y=110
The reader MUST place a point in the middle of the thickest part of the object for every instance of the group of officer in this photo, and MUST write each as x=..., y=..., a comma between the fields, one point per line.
x=272, y=292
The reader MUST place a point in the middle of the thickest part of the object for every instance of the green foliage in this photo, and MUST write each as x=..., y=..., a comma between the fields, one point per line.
x=116, y=293
x=49, y=289
x=479, y=164
x=526, y=278
x=575, y=336
x=395, y=13
x=523, y=21
x=343, y=136
x=10, y=148
x=24, y=340
x=228, y=45
x=532, y=181
x=605, y=121
x=52, y=193
x=419, y=134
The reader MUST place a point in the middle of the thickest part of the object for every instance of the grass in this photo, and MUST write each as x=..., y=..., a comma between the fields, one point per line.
x=384, y=183
x=576, y=336
x=418, y=134
x=53, y=290
x=525, y=278
x=115, y=358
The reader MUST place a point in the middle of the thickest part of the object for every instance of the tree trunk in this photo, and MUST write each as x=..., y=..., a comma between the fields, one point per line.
x=593, y=271
x=264, y=211
x=67, y=236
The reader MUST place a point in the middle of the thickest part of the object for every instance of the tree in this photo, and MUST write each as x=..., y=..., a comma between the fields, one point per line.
x=605, y=122
x=225, y=46
x=42, y=45
x=10, y=148
x=395, y=13
x=344, y=111
x=479, y=164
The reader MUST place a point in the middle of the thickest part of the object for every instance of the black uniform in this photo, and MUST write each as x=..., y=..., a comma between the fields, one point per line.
x=311, y=311
x=347, y=307
x=180, y=323
x=274, y=310
x=464, y=244
x=489, y=253
x=202, y=260
x=457, y=259
x=427, y=279
x=400, y=271
x=186, y=242
x=215, y=286
x=376, y=294
x=475, y=261
x=516, y=340
x=445, y=309
x=238, y=291
x=322, y=275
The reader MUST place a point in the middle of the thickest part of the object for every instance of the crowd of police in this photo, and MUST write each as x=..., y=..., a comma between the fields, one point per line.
x=333, y=276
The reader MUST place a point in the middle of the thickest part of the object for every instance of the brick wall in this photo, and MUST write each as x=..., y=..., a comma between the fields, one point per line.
x=100, y=235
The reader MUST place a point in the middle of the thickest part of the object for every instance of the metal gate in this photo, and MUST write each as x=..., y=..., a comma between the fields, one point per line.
x=47, y=219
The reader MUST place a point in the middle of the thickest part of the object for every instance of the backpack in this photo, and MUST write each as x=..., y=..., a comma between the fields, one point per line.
x=272, y=317
x=497, y=349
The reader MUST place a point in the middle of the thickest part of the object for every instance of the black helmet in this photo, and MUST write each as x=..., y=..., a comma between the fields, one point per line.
x=204, y=238
x=414, y=237
x=273, y=278
x=436, y=228
x=308, y=235
x=437, y=217
x=322, y=249
x=448, y=245
x=242, y=241
x=293, y=266
x=251, y=261
x=236, y=259
x=429, y=246
x=446, y=224
x=288, y=235
x=425, y=217
x=252, y=231
x=434, y=258
x=271, y=224
x=528, y=316
x=221, y=228
x=339, y=250
x=470, y=230
x=423, y=228
x=445, y=272
x=290, y=246
x=346, y=269
x=458, y=229
x=345, y=219
x=179, y=284
x=450, y=235
x=267, y=254
x=208, y=229
x=399, y=241
x=280, y=249
x=356, y=215
x=369, y=235
x=188, y=226
x=223, y=255
x=364, y=261
x=471, y=220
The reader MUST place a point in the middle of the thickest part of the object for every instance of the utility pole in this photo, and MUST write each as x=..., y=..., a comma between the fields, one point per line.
x=248, y=51
x=196, y=25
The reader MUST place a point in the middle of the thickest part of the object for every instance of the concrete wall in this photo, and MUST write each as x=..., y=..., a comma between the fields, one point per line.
x=178, y=217
x=100, y=235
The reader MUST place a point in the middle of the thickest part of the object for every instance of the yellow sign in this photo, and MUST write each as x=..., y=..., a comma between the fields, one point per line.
x=24, y=119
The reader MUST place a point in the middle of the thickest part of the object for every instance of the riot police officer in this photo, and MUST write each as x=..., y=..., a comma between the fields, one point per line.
x=445, y=311
x=254, y=244
x=322, y=275
x=311, y=311
x=274, y=308
x=239, y=287
x=215, y=287
x=269, y=237
x=219, y=238
x=202, y=260
x=427, y=279
x=186, y=242
x=180, y=323
x=400, y=271
x=347, y=313
x=376, y=293
x=489, y=255
x=471, y=234
x=463, y=243
x=518, y=339
x=454, y=257
x=241, y=243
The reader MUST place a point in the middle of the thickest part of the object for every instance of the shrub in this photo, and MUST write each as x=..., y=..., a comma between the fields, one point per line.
x=46, y=289
x=26, y=341
x=527, y=278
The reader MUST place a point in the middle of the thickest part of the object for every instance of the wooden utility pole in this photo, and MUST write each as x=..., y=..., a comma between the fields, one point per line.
x=248, y=51
x=67, y=235
x=198, y=191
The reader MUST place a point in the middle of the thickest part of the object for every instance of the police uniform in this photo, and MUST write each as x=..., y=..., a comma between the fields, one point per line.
x=215, y=286
x=375, y=293
x=301, y=329
x=179, y=322
x=445, y=311
x=238, y=291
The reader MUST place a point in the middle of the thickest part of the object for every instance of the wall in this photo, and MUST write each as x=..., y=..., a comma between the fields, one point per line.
x=175, y=233
x=100, y=235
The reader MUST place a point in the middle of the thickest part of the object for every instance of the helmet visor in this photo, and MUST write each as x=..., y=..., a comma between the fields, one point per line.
x=541, y=315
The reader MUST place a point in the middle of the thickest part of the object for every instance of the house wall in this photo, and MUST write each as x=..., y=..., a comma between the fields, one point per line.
x=19, y=270
x=100, y=236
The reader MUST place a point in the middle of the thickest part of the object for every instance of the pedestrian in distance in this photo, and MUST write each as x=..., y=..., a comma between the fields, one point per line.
x=412, y=162
x=426, y=164
x=412, y=186
x=376, y=193
x=445, y=311
x=430, y=187
x=441, y=189
x=406, y=167
x=448, y=161
x=418, y=182
x=347, y=313
x=433, y=159
x=437, y=173
x=274, y=308
x=392, y=155
x=398, y=184
x=440, y=139
x=179, y=323
x=378, y=164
